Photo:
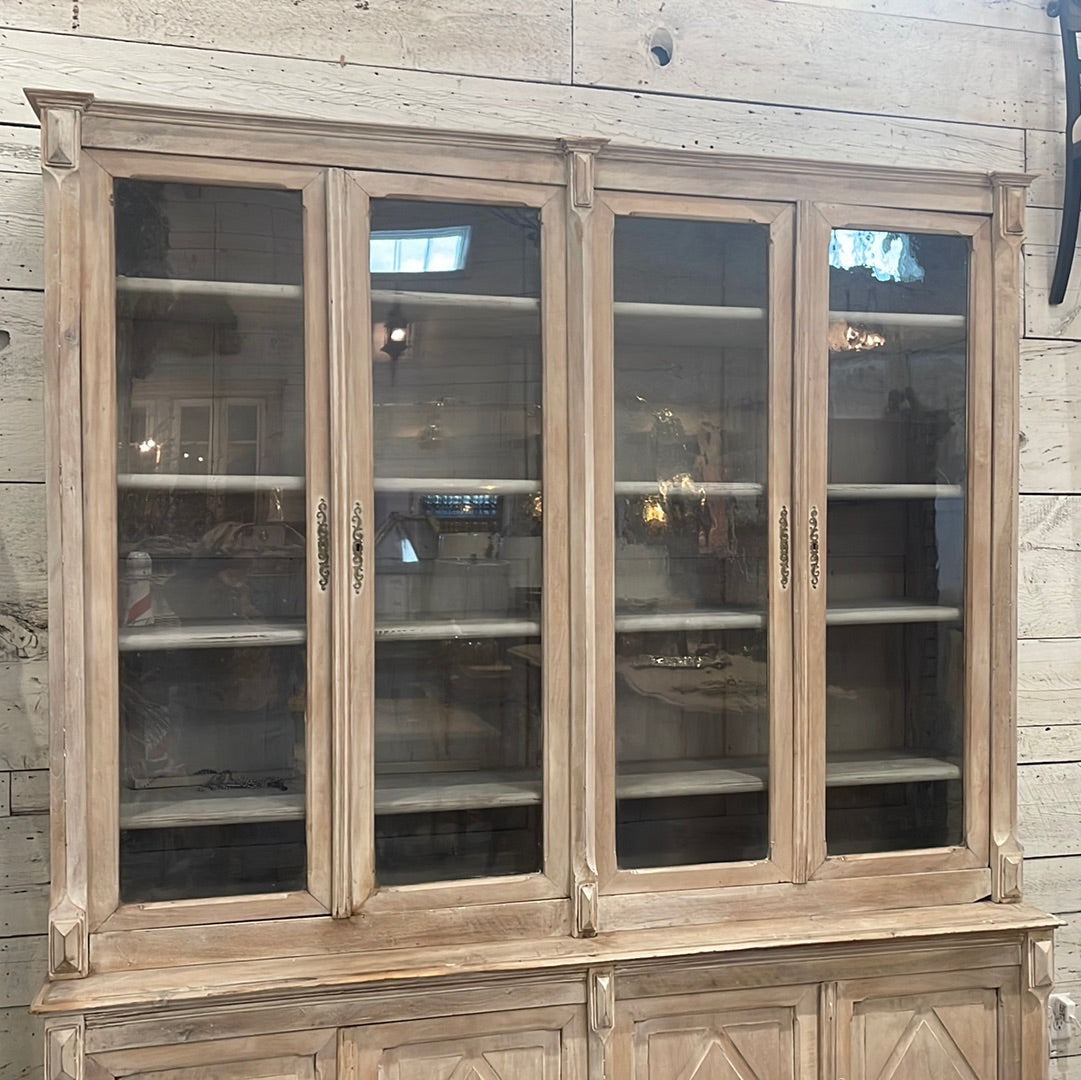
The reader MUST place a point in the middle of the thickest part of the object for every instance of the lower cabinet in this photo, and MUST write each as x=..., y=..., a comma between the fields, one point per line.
x=751, y=1035
x=879, y=1013
x=963, y=1025
x=527, y=1044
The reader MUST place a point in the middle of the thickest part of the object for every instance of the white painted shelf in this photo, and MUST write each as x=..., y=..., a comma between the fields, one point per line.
x=455, y=486
x=882, y=492
x=434, y=301
x=440, y=629
x=889, y=612
x=690, y=620
x=416, y=793
x=689, y=487
x=218, y=635
x=211, y=484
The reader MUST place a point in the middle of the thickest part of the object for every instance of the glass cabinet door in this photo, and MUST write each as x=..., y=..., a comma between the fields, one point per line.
x=211, y=540
x=905, y=484
x=465, y=528
x=698, y=378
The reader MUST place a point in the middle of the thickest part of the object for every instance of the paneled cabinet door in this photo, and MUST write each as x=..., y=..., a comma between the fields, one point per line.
x=953, y=1026
x=748, y=1035
x=304, y=1055
x=529, y=1044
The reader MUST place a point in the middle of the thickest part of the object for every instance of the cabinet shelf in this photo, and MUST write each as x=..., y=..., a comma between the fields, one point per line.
x=210, y=484
x=219, y=635
x=888, y=612
x=455, y=486
x=883, y=492
x=440, y=629
x=733, y=619
x=690, y=487
x=418, y=793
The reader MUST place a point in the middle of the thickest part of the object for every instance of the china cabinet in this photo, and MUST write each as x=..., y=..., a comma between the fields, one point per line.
x=528, y=610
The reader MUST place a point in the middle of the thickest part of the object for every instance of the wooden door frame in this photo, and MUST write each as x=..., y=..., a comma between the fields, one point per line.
x=779, y=219
x=351, y=367
x=99, y=542
x=812, y=407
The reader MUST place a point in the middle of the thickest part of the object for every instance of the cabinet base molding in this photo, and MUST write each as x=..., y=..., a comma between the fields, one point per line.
x=954, y=987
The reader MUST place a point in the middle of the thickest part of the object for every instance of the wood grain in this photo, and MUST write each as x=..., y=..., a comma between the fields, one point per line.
x=21, y=1036
x=22, y=969
x=24, y=699
x=24, y=910
x=24, y=851
x=1008, y=14
x=30, y=791
x=471, y=37
x=1049, y=809
x=1050, y=412
x=819, y=66
x=172, y=75
x=22, y=555
x=1050, y=566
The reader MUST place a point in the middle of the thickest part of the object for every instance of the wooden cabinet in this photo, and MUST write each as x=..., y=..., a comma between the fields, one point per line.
x=963, y=1024
x=531, y=1044
x=512, y=559
x=758, y=1035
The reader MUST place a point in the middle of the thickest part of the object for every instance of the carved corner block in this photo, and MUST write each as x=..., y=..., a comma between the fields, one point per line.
x=64, y=1052
x=1007, y=875
x=1040, y=963
x=1009, y=208
x=68, y=946
x=602, y=1001
x=581, y=157
x=61, y=135
x=585, y=909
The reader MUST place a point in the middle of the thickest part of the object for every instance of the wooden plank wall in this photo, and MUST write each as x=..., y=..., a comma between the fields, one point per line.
x=967, y=84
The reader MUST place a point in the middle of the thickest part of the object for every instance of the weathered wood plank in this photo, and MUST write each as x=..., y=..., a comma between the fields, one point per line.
x=1048, y=681
x=730, y=49
x=24, y=851
x=22, y=1038
x=170, y=75
x=20, y=231
x=5, y=794
x=30, y=791
x=470, y=37
x=22, y=555
x=1065, y=1068
x=22, y=449
x=1049, y=578
x=24, y=703
x=19, y=149
x=1050, y=416
x=1044, y=158
x=24, y=910
x=1054, y=884
x=22, y=969
x=1028, y=15
x=1053, y=742
x=1049, y=809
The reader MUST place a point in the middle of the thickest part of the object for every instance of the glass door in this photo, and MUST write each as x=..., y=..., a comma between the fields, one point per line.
x=694, y=578
x=205, y=509
x=902, y=544
x=466, y=597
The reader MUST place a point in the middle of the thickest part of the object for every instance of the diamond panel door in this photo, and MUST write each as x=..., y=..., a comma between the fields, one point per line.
x=756, y=1035
x=950, y=1027
x=531, y=1044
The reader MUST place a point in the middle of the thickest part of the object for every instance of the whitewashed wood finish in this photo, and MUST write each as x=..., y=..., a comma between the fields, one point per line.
x=1058, y=742
x=24, y=910
x=20, y=231
x=1049, y=566
x=1049, y=809
x=471, y=37
x=22, y=554
x=22, y=447
x=1008, y=14
x=816, y=64
x=20, y=149
x=1048, y=681
x=24, y=698
x=24, y=851
x=169, y=75
x=23, y=966
x=1051, y=883
x=1050, y=411
x=1044, y=159
x=21, y=1037
x=30, y=791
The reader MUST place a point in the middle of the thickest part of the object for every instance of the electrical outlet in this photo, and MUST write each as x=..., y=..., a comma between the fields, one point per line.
x=1062, y=1021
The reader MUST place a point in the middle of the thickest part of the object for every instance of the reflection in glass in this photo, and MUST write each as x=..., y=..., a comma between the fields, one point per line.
x=211, y=540
x=459, y=540
x=691, y=579
x=896, y=541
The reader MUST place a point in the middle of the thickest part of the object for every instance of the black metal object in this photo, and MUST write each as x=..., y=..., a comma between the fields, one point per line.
x=1068, y=13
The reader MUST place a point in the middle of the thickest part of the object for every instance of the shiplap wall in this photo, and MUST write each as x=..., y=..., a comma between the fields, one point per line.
x=967, y=84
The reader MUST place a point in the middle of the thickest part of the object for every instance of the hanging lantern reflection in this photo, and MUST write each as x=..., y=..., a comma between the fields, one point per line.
x=397, y=334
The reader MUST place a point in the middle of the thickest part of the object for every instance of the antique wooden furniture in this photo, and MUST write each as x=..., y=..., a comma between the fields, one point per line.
x=528, y=610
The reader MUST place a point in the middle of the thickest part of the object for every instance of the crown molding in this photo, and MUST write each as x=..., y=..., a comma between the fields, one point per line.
x=40, y=100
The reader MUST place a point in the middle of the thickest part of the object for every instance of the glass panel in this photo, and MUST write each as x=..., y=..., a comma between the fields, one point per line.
x=895, y=644
x=458, y=549
x=211, y=517
x=691, y=588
